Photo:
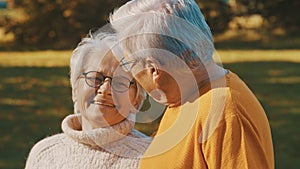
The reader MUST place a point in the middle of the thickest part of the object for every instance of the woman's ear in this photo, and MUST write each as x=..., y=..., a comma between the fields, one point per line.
x=74, y=98
x=153, y=69
x=74, y=95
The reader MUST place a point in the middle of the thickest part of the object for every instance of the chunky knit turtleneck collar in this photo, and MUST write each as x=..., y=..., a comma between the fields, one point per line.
x=119, y=139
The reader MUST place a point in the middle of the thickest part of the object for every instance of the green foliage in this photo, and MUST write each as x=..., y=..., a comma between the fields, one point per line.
x=217, y=14
x=282, y=13
x=58, y=24
x=277, y=13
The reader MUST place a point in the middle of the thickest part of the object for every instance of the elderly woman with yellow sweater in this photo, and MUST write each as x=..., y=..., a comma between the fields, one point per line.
x=101, y=133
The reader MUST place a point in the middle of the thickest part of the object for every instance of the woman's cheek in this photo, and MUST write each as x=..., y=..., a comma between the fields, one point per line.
x=123, y=103
x=85, y=96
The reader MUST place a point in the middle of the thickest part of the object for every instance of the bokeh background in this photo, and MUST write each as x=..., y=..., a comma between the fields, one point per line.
x=257, y=39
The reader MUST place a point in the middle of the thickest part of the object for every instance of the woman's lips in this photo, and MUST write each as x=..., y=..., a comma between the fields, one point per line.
x=103, y=103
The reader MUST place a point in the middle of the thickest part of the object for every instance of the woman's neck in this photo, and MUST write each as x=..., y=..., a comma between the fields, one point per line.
x=86, y=125
x=191, y=85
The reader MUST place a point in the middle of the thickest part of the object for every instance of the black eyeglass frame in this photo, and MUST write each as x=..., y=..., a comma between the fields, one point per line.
x=125, y=64
x=102, y=81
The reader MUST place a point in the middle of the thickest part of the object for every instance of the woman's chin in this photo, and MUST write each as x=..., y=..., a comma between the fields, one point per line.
x=104, y=115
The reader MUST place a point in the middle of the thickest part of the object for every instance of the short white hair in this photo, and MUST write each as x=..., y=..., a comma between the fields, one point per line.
x=97, y=44
x=177, y=26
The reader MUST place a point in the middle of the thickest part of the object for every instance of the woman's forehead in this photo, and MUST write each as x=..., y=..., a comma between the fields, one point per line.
x=96, y=59
x=106, y=63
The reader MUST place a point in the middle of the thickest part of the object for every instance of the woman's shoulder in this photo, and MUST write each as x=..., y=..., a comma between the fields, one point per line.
x=49, y=141
x=45, y=148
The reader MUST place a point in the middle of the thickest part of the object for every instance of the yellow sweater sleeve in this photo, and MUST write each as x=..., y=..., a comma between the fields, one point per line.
x=237, y=146
x=242, y=138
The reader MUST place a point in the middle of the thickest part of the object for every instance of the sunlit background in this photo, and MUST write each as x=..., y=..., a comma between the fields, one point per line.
x=259, y=40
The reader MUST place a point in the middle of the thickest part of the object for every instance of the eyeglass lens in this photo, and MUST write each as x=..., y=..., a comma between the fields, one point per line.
x=118, y=83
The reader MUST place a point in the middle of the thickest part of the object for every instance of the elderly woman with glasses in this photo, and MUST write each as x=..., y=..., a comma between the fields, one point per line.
x=101, y=133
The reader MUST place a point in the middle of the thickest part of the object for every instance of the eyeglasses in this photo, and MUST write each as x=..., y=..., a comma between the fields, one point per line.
x=127, y=65
x=119, y=84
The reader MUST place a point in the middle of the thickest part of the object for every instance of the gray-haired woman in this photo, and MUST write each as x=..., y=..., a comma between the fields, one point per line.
x=101, y=133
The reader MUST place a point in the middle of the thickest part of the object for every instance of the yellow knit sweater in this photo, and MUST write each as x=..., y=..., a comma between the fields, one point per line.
x=225, y=128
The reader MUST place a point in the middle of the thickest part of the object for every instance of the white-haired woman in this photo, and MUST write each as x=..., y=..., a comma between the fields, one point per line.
x=100, y=134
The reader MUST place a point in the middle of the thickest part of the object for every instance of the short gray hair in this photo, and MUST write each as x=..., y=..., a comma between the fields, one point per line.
x=100, y=43
x=177, y=26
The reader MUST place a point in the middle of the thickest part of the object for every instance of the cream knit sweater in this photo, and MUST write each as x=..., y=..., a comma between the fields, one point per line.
x=115, y=147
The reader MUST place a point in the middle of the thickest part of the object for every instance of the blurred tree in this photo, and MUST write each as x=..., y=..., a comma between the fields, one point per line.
x=58, y=24
x=277, y=13
x=282, y=13
x=217, y=13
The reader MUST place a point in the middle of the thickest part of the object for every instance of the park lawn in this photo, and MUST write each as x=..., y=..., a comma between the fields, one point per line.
x=37, y=59
x=35, y=95
x=61, y=58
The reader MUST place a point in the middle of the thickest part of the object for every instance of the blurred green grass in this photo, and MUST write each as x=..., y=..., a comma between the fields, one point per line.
x=36, y=96
x=33, y=100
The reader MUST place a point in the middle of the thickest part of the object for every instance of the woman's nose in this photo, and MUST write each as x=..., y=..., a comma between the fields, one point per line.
x=105, y=87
